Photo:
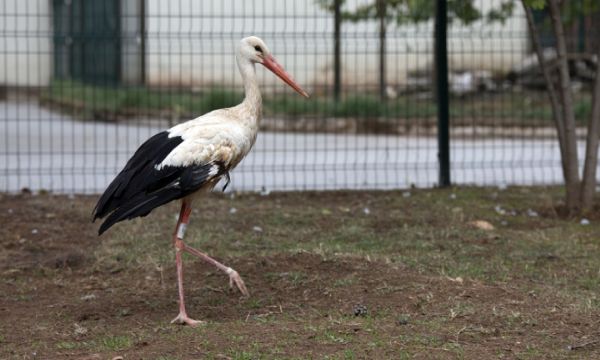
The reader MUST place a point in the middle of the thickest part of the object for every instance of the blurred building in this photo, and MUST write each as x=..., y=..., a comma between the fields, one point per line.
x=190, y=43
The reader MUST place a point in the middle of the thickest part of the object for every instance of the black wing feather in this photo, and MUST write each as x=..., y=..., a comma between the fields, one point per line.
x=138, y=169
x=140, y=187
x=186, y=181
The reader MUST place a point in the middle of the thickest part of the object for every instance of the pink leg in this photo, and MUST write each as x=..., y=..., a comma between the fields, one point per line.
x=234, y=277
x=184, y=216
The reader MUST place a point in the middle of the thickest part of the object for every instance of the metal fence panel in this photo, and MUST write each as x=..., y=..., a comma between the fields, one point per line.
x=66, y=133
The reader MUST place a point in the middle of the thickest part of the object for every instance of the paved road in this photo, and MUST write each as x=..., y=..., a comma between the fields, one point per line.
x=41, y=149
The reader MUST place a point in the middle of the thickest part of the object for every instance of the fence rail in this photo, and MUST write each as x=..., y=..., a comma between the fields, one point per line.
x=83, y=83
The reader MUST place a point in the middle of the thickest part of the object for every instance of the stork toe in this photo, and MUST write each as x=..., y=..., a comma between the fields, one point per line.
x=183, y=319
x=235, y=278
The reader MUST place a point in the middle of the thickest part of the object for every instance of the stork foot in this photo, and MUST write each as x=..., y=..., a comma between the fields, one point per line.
x=235, y=278
x=183, y=319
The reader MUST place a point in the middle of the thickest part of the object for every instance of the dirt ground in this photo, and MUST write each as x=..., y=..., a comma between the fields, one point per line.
x=336, y=275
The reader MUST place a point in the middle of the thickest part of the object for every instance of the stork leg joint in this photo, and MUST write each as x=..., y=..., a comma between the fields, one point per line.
x=179, y=245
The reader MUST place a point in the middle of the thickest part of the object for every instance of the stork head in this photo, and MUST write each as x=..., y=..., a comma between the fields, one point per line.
x=254, y=50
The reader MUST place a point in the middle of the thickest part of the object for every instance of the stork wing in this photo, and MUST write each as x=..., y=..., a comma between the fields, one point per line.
x=146, y=182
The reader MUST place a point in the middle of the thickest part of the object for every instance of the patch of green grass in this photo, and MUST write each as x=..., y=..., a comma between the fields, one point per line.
x=344, y=282
x=254, y=303
x=531, y=352
x=349, y=354
x=67, y=345
x=88, y=99
x=108, y=103
x=332, y=337
x=245, y=355
x=116, y=342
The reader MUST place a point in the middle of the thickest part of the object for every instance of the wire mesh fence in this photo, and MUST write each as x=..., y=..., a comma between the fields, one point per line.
x=85, y=82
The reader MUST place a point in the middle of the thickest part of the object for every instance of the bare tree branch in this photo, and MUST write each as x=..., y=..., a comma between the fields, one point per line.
x=554, y=100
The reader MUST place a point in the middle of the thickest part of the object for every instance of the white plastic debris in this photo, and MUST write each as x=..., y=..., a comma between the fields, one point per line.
x=366, y=211
x=257, y=229
x=453, y=196
x=584, y=221
x=406, y=194
x=264, y=191
x=232, y=210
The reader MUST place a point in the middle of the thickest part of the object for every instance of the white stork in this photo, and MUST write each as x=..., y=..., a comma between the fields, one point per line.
x=191, y=158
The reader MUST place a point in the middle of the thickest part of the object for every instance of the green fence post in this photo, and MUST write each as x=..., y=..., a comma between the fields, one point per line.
x=442, y=97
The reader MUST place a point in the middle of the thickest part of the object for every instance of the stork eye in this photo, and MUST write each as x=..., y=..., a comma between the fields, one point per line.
x=257, y=48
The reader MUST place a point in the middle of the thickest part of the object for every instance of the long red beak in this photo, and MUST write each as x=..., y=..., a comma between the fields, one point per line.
x=270, y=63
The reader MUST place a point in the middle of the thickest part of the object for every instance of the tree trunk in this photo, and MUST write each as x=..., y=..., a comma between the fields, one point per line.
x=588, y=188
x=572, y=161
x=554, y=99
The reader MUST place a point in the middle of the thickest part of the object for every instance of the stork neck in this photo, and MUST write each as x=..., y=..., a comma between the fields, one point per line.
x=253, y=99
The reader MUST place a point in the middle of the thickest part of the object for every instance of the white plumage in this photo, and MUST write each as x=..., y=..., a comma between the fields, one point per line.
x=190, y=158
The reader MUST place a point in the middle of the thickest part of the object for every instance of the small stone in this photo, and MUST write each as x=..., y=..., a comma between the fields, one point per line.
x=232, y=210
x=10, y=211
x=360, y=310
x=500, y=210
x=366, y=211
x=88, y=297
x=80, y=330
x=482, y=224
x=453, y=196
x=406, y=194
x=532, y=213
x=457, y=279
x=257, y=229
x=34, y=231
x=584, y=221
x=403, y=320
